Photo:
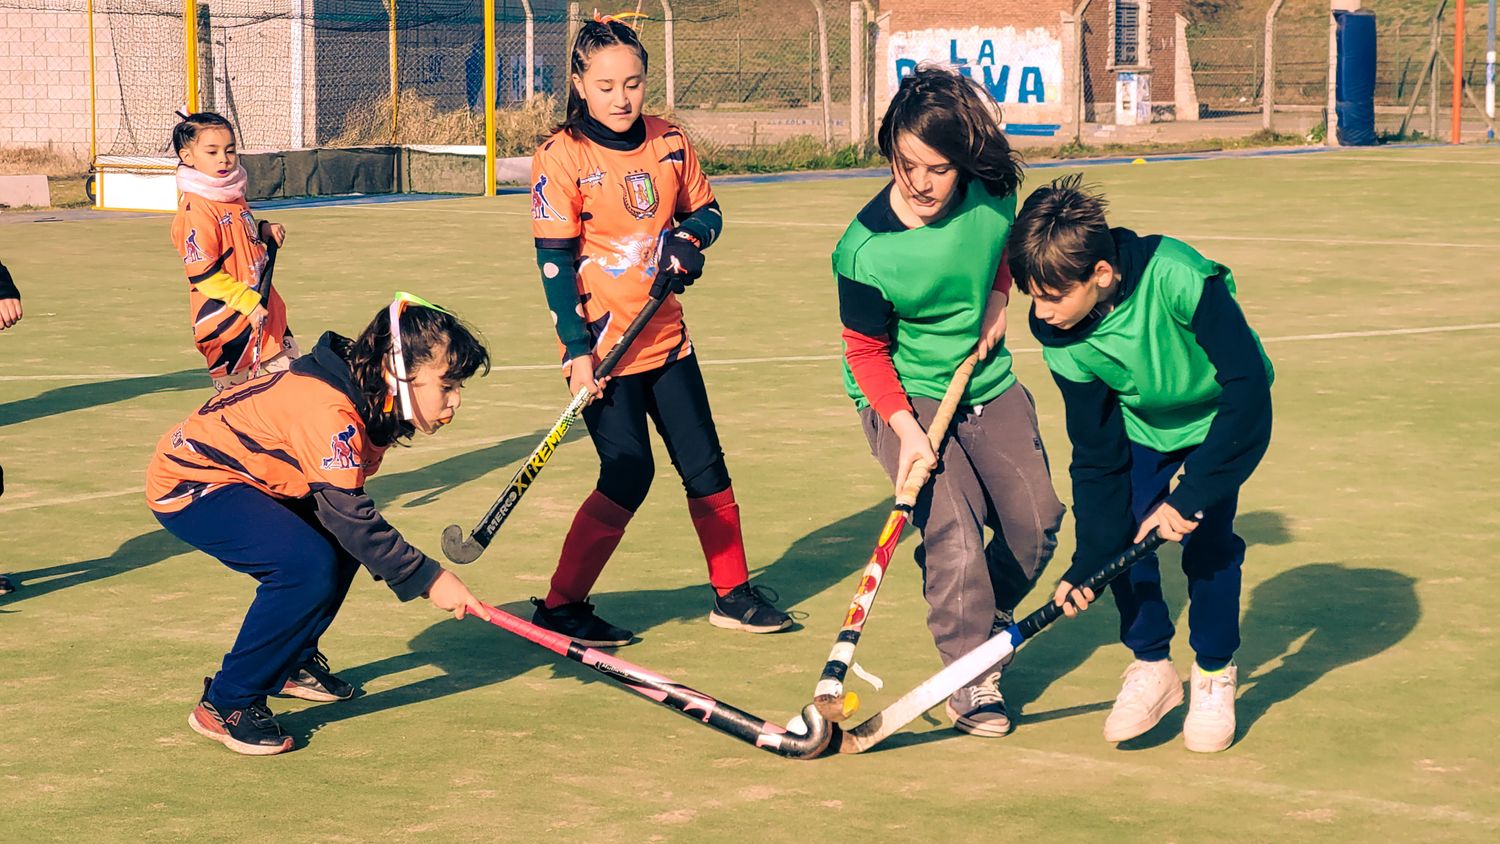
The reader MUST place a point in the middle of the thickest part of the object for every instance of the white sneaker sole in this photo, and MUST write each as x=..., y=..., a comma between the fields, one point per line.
x=237, y=746
x=724, y=621
x=304, y=693
x=986, y=729
x=1171, y=701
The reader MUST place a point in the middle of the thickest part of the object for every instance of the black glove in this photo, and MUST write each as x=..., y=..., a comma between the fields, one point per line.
x=680, y=264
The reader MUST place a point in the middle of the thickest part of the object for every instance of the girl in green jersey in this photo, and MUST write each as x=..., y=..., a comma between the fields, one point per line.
x=922, y=282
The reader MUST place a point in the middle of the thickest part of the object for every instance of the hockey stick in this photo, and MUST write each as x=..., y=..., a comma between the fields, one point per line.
x=939, y=686
x=264, y=290
x=727, y=719
x=829, y=697
x=461, y=549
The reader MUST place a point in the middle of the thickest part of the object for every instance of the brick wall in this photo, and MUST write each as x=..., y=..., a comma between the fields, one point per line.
x=44, y=90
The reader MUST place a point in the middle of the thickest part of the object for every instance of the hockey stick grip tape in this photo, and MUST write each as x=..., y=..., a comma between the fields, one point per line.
x=1095, y=583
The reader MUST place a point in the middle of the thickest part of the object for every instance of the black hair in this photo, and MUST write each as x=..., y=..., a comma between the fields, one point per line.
x=423, y=332
x=1059, y=237
x=593, y=37
x=950, y=113
x=187, y=130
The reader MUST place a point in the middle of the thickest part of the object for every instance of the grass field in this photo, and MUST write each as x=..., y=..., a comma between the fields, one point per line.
x=1369, y=681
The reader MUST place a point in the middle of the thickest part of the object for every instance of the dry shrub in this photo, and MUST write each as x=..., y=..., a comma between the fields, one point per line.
x=42, y=160
x=420, y=121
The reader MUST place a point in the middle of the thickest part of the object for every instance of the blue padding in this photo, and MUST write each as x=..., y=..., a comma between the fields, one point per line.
x=1354, y=86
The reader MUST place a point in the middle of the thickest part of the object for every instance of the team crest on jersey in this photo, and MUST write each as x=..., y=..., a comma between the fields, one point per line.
x=191, y=253
x=541, y=209
x=177, y=437
x=252, y=231
x=593, y=179
x=640, y=194
x=344, y=456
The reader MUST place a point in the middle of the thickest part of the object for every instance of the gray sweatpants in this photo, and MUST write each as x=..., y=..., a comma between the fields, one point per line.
x=992, y=473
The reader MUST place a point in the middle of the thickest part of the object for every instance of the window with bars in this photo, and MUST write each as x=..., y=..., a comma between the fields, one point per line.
x=1127, y=32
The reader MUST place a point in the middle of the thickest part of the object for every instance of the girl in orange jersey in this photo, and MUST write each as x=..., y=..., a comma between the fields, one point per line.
x=223, y=250
x=268, y=476
x=621, y=212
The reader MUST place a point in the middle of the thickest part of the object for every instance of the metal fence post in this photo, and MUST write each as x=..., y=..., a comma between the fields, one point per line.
x=567, y=65
x=530, y=45
x=823, y=73
x=1081, y=88
x=856, y=73
x=669, y=49
x=1268, y=83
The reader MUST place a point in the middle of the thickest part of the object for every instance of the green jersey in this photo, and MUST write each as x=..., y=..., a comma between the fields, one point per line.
x=934, y=282
x=1145, y=349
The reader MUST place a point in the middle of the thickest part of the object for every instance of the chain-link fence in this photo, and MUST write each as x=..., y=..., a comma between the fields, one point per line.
x=1227, y=42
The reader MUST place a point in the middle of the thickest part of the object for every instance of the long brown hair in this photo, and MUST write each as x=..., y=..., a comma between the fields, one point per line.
x=593, y=37
x=949, y=113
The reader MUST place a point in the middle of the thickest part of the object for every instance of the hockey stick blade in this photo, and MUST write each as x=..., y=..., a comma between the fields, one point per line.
x=459, y=548
x=812, y=741
x=463, y=551
x=957, y=674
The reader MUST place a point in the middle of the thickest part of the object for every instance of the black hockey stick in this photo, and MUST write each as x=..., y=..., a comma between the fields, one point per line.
x=963, y=670
x=757, y=732
x=461, y=549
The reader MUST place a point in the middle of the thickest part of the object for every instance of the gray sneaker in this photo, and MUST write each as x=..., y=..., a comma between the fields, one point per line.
x=979, y=709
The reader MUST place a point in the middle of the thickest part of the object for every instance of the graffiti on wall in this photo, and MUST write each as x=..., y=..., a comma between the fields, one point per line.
x=1021, y=69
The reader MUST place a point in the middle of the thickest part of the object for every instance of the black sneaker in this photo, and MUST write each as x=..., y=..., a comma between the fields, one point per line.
x=6, y=587
x=313, y=681
x=252, y=731
x=749, y=609
x=578, y=622
x=978, y=708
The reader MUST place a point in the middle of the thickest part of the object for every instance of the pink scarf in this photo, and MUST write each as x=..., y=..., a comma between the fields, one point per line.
x=231, y=188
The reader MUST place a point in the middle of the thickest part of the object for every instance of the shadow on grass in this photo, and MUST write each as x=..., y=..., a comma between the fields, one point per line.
x=135, y=553
x=1301, y=625
x=449, y=474
x=157, y=545
x=473, y=655
x=81, y=396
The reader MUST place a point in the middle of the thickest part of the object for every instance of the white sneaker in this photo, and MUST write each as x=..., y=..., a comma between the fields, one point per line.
x=1209, y=727
x=1150, y=691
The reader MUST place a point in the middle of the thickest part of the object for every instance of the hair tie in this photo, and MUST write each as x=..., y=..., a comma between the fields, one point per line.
x=619, y=18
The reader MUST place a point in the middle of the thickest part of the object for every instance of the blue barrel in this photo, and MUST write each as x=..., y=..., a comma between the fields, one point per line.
x=1355, y=79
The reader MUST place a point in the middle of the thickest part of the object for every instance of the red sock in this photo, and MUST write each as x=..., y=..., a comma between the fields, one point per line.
x=717, y=519
x=596, y=532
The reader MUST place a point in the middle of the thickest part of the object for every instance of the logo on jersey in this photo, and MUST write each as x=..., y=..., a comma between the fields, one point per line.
x=640, y=195
x=344, y=456
x=541, y=209
x=593, y=179
x=191, y=253
x=226, y=219
x=623, y=254
x=252, y=230
x=177, y=437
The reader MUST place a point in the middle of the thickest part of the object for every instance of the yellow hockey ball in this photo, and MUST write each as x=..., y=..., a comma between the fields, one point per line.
x=851, y=704
x=1139, y=161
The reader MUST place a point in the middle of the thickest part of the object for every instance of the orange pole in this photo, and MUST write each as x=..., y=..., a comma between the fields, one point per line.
x=1458, y=76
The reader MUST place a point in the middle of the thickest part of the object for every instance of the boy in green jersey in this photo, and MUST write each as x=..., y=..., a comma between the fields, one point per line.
x=1162, y=378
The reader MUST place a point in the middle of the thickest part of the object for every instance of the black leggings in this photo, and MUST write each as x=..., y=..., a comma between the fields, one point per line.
x=677, y=402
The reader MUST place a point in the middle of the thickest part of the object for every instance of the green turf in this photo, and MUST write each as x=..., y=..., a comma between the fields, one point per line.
x=1368, y=671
